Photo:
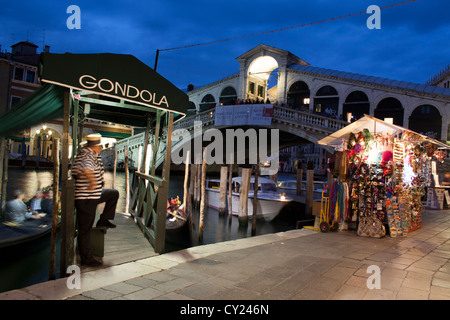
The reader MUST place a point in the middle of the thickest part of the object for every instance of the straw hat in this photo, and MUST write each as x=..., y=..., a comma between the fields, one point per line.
x=93, y=139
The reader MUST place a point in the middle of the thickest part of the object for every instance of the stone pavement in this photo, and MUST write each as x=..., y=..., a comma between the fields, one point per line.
x=298, y=264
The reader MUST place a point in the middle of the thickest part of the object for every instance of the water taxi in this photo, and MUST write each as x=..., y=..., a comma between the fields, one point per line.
x=270, y=201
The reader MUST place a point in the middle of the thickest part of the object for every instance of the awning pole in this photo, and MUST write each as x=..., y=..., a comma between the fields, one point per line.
x=67, y=195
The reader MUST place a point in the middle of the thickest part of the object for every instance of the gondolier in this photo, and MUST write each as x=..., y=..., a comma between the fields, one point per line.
x=89, y=192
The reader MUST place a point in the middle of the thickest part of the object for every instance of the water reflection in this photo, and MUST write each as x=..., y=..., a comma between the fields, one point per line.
x=28, y=264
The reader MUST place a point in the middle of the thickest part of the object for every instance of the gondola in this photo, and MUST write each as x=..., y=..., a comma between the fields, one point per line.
x=177, y=223
x=176, y=217
x=12, y=233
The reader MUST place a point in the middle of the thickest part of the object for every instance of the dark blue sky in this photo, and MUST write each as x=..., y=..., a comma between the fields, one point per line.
x=412, y=45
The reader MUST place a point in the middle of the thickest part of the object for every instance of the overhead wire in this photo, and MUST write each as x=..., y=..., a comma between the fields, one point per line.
x=286, y=28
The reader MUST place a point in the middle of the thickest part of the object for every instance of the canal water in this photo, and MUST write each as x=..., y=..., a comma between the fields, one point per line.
x=28, y=264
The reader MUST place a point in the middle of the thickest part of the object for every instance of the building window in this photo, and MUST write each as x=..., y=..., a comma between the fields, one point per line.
x=31, y=75
x=18, y=74
x=261, y=91
x=14, y=101
x=251, y=87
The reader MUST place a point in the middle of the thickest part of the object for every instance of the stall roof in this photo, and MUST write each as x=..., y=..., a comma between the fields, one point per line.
x=374, y=125
x=119, y=88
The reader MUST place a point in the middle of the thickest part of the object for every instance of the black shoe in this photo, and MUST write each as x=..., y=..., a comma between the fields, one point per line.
x=91, y=263
x=105, y=223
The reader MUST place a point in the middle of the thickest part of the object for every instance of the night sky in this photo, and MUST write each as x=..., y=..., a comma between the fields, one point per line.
x=412, y=45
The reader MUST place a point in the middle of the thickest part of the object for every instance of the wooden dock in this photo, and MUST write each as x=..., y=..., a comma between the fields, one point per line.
x=125, y=243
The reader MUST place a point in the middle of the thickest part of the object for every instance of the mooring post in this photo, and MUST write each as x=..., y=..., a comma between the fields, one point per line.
x=191, y=186
x=309, y=188
x=243, y=197
x=230, y=191
x=223, y=189
x=299, y=177
x=203, y=195
x=255, y=195
x=114, y=169
x=185, y=185
x=127, y=180
x=55, y=189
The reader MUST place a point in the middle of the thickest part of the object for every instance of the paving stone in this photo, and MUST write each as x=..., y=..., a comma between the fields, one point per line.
x=144, y=294
x=406, y=293
x=122, y=287
x=101, y=294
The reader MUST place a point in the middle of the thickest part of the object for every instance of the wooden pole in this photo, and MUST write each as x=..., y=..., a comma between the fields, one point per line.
x=299, y=178
x=191, y=186
x=309, y=188
x=223, y=189
x=67, y=195
x=243, y=197
x=186, y=178
x=255, y=195
x=2, y=157
x=203, y=195
x=230, y=191
x=144, y=169
x=51, y=271
x=156, y=142
x=114, y=169
x=4, y=177
x=127, y=181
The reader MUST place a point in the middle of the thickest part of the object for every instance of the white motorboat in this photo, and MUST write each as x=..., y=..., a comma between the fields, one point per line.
x=290, y=187
x=270, y=201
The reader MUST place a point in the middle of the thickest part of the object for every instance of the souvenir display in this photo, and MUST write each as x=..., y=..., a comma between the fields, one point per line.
x=380, y=181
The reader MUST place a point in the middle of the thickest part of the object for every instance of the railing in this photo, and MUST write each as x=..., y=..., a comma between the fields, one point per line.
x=149, y=207
x=279, y=113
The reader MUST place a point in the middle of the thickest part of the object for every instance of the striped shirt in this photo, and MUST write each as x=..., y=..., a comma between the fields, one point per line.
x=87, y=159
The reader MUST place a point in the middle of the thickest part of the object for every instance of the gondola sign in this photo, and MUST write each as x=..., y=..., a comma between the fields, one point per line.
x=118, y=76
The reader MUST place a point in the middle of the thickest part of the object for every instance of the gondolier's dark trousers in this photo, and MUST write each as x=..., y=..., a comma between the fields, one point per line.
x=86, y=209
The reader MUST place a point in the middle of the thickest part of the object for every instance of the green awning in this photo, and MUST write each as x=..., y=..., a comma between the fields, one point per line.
x=117, y=76
x=116, y=135
x=44, y=104
x=122, y=89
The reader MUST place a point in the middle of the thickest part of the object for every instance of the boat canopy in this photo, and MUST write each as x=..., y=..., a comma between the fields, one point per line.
x=116, y=88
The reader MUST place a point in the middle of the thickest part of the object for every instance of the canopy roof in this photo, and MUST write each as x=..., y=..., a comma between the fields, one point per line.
x=118, y=88
x=374, y=125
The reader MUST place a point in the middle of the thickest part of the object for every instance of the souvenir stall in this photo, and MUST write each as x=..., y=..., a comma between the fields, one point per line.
x=381, y=173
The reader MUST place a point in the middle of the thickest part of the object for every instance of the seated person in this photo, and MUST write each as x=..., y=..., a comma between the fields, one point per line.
x=16, y=209
x=36, y=202
x=47, y=203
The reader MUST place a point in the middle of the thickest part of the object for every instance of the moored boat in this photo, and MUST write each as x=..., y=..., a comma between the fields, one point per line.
x=290, y=187
x=12, y=233
x=270, y=201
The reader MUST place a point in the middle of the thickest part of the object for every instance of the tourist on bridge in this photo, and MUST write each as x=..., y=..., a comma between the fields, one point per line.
x=89, y=192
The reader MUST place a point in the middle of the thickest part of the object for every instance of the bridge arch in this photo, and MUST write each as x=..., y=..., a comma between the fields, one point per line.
x=326, y=101
x=297, y=94
x=228, y=96
x=426, y=119
x=208, y=102
x=357, y=103
x=390, y=107
x=260, y=69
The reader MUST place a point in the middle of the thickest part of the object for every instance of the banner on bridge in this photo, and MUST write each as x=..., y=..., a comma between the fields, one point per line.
x=244, y=115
